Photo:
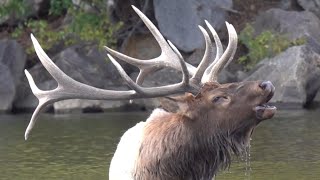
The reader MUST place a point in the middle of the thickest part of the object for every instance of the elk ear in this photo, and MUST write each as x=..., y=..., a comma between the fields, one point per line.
x=177, y=103
x=180, y=104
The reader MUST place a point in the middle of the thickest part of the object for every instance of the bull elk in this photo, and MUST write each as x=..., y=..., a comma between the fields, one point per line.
x=211, y=121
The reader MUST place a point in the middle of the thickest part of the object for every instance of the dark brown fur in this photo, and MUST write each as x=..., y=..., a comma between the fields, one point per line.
x=199, y=139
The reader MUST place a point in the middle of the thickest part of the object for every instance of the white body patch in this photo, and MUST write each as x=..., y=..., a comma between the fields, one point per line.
x=123, y=161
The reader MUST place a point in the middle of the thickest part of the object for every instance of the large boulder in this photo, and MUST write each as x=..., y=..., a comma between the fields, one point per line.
x=140, y=46
x=293, y=24
x=178, y=20
x=7, y=88
x=12, y=62
x=295, y=73
x=13, y=56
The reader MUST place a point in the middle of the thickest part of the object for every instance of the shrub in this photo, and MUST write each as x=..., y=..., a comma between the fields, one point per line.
x=15, y=8
x=85, y=26
x=265, y=45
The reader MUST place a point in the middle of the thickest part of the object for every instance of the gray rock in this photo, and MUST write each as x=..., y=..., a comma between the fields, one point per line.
x=295, y=74
x=12, y=62
x=7, y=88
x=317, y=98
x=162, y=77
x=13, y=56
x=81, y=105
x=178, y=20
x=141, y=46
x=289, y=5
x=36, y=6
x=196, y=56
x=293, y=24
x=311, y=5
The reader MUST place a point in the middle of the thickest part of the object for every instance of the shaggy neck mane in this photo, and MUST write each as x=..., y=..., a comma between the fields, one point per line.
x=177, y=147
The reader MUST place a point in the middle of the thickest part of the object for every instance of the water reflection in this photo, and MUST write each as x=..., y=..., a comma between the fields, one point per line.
x=81, y=146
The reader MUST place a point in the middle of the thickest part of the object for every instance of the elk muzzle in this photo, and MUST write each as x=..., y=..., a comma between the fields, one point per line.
x=264, y=111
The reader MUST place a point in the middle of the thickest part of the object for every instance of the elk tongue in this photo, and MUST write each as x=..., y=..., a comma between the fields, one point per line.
x=264, y=111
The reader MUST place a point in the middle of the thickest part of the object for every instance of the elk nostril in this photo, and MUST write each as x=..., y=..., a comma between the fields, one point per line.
x=266, y=85
x=263, y=85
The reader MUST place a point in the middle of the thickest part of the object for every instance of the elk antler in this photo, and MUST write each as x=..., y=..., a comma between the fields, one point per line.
x=203, y=73
x=69, y=88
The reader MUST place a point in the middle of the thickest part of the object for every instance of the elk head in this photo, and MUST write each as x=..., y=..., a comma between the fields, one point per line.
x=233, y=107
x=212, y=120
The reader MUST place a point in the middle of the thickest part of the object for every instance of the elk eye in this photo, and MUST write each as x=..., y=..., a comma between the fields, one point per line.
x=218, y=98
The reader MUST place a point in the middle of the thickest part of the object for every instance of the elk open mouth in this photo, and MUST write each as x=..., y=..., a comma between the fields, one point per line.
x=264, y=111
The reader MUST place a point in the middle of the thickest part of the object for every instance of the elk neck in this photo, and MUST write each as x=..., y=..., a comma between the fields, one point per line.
x=175, y=146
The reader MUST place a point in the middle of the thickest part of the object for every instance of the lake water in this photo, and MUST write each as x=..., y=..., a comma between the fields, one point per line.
x=80, y=146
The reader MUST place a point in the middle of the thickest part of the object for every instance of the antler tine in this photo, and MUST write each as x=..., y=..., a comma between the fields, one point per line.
x=234, y=46
x=208, y=54
x=219, y=51
x=166, y=58
x=184, y=69
x=42, y=103
x=226, y=57
x=216, y=39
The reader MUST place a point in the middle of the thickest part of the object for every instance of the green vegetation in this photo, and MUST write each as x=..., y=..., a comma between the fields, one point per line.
x=57, y=7
x=266, y=44
x=15, y=8
x=90, y=26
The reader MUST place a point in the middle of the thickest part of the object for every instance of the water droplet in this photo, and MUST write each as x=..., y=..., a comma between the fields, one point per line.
x=248, y=161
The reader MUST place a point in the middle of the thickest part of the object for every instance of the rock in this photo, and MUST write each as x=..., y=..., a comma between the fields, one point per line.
x=295, y=74
x=13, y=56
x=85, y=64
x=80, y=105
x=12, y=61
x=312, y=6
x=293, y=24
x=178, y=20
x=289, y=5
x=141, y=46
x=163, y=77
x=196, y=56
x=37, y=7
x=317, y=98
x=7, y=89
